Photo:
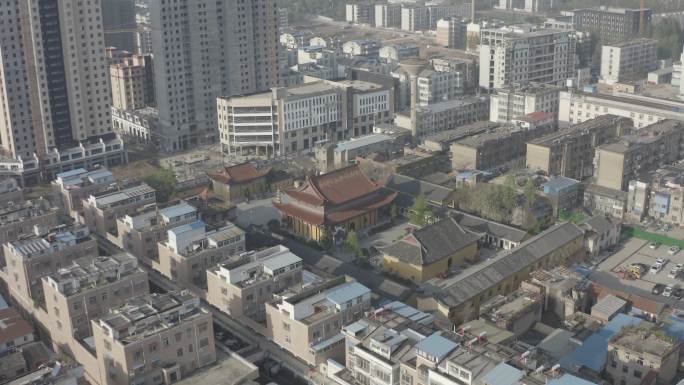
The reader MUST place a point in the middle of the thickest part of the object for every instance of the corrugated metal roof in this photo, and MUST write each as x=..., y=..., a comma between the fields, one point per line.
x=124, y=194
x=569, y=379
x=177, y=210
x=502, y=374
x=436, y=346
x=346, y=293
x=280, y=261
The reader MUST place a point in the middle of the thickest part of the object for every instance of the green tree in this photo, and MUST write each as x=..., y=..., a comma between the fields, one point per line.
x=164, y=181
x=351, y=244
x=509, y=194
x=530, y=192
x=420, y=212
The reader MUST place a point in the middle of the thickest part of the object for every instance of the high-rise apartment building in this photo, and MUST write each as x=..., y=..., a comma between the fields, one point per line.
x=388, y=15
x=361, y=13
x=522, y=55
x=120, y=27
x=511, y=102
x=132, y=81
x=451, y=33
x=204, y=49
x=55, y=85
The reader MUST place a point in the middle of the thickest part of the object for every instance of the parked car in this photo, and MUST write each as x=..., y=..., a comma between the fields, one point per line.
x=674, y=272
x=654, y=245
x=658, y=288
x=667, y=292
x=655, y=268
x=673, y=250
x=678, y=292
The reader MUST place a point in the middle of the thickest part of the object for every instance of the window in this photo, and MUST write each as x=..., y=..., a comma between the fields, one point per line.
x=625, y=369
x=204, y=342
x=637, y=374
x=179, y=352
x=286, y=326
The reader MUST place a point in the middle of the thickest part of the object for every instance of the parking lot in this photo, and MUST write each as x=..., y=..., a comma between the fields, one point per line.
x=637, y=251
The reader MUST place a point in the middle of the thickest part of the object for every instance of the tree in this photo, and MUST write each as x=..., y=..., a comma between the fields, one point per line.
x=509, y=194
x=420, y=213
x=352, y=243
x=530, y=192
x=164, y=181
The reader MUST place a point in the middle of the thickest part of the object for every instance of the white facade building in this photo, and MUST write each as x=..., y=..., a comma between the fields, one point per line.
x=629, y=60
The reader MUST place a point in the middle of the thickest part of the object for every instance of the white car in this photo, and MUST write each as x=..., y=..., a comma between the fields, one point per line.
x=668, y=291
x=675, y=271
x=655, y=268
x=673, y=250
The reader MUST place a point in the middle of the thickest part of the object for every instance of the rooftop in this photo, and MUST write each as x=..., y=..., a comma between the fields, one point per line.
x=503, y=374
x=456, y=290
x=147, y=315
x=239, y=173
x=432, y=243
x=362, y=141
x=90, y=272
x=414, y=187
x=461, y=132
x=436, y=346
x=644, y=338
x=123, y=195
x=645, y=136
x=559, y=183
x=12, y=326
x=585, y=128
x=47, y=241
x=485, y=226
x=80, y=177
x=632, y=42
x=259, y=266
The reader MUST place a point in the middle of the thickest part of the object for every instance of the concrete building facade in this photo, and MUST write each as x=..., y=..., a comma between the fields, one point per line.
x=511, y=102
x=100, y=210
x=628, y=60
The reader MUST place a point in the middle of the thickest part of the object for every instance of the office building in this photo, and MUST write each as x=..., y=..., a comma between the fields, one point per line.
x=100, y=210
x=521, y=55
x=637, y=351
x=132, y=81
x=289, y=120
x=56, y=86
x=119, y=23
x=155, y=338
x=307, y=323
x=361, y=13
x=191, y=249
x=501, y=148
x=138, y=233
x=242, y=288
x=611, y=24
x=451, y=33
x=211, y=49
x=629, y=60
x=570, y=152
x=33, y=256
x=529, y=6
x=511, y=102
x=635, y=155
x=458, y=298
x=576, y=107
x=388, y=15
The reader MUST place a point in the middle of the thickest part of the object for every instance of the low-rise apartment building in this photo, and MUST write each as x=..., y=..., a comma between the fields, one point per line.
x=511, y=102
x=191, y=249
x=503, y=147
x=155, y=338
x=516, y=312
x=138, y=233
x=637, y=351
x=34, y=256
x=605, y=200
x=308, y=323
x=76, y=185
x=570, y=152
x=101, y=210
x=87, y=288
x=23, y=217
x=242, y=288
x=14, y=331
x=629, y=60
x=666, y=197
x=443, y=116
x=635, y=155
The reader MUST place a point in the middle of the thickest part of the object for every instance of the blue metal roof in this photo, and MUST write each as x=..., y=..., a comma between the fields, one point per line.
x=436, y=346
x=592, y=353
x=559, y=183
x=569, y=379
x=502, y=374
x=188, y=227
x=177, y=210
x=346, y=293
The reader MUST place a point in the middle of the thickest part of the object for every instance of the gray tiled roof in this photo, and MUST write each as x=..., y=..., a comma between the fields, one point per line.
x=434, y=242
x=490, y=227
x=461, y=288
x=414, y=187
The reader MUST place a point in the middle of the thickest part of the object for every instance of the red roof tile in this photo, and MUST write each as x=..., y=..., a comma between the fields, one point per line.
x=12, y=326
x=342, y=185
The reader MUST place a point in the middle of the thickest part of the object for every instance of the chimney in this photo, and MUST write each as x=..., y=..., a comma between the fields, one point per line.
x=413, y=66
